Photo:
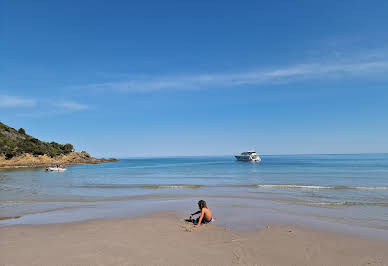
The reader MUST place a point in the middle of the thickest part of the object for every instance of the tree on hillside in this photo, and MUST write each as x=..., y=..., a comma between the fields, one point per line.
x=67, y=148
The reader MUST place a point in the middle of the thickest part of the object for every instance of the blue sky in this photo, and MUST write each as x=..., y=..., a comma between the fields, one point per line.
x=165, y=78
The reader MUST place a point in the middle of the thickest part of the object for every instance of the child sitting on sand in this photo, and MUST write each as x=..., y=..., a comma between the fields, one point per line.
x=206, y=215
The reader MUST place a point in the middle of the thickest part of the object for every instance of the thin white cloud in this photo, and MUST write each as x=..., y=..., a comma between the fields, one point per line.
x=72, y=106
x=7, y=101
x=339, y=70
x=40, y=107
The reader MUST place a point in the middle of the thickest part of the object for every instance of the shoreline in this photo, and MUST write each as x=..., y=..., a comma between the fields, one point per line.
x=164, y=238
x=238, y=215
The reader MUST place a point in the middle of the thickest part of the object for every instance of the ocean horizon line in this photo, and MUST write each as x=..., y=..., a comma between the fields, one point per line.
x=231, y=155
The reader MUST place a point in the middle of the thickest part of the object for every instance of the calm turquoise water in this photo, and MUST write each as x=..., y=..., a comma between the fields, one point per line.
x=350, y=188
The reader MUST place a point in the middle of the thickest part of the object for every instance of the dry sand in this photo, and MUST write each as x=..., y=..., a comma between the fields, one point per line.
x=165, y=239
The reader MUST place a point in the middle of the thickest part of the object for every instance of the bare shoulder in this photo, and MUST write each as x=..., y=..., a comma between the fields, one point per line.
x=205, y=210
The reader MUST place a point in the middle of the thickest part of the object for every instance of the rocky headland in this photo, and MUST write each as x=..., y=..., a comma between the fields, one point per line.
x=19, y=150
x=28, y=160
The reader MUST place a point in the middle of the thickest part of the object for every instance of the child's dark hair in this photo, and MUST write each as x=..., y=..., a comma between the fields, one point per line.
x=202, y=204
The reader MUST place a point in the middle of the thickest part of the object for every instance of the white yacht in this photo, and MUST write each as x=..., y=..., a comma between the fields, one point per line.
x=248, y=156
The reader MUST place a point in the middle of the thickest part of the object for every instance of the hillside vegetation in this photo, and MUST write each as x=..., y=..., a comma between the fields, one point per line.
x=16, y=142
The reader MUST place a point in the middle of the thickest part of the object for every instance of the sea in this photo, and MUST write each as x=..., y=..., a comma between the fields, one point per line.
x=346, y=193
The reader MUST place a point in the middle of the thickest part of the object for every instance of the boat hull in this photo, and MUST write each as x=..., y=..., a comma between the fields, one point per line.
x=247, y=158
x=55, y=169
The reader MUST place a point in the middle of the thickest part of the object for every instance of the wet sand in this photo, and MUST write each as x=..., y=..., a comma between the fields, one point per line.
x=164, y=238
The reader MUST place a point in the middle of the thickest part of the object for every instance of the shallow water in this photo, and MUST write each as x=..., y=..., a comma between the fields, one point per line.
x=350, y=190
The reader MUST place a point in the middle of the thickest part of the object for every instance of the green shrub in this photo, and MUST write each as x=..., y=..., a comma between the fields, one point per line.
x=16, y=142
x=67, y=148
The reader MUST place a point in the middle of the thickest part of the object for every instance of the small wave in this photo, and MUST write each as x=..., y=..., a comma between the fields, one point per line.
x=193, y=186
x=312, y=187
x=173, y=186
x=291, y=186
x=118, y=186
x=349, y=203
x=372, y=188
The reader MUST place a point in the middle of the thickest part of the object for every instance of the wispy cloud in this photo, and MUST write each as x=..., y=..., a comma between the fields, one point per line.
x=72, y=106
x=40, y=107
x=7, y=101
x=339, y=70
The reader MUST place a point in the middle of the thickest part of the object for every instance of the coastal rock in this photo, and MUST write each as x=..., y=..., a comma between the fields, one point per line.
x=18, y=149
x=29, y=160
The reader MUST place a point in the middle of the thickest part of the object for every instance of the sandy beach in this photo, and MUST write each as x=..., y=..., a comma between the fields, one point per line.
x=164, y=238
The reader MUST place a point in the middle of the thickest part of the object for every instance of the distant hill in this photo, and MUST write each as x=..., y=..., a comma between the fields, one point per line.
x=16, y=142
